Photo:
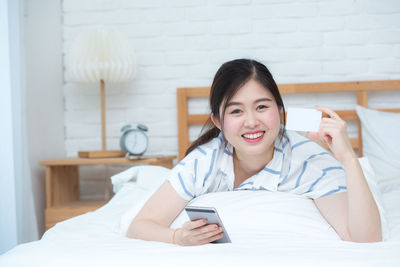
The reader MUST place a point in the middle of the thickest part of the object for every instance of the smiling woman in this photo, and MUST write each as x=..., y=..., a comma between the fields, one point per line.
x=251, y=122
x=245, y=147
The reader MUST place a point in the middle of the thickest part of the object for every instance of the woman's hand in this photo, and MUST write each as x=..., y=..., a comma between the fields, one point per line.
x=333, y=131
x=198, y=233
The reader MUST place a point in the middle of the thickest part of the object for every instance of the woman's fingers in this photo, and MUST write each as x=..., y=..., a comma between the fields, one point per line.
x=333, y=121
x=190, y=225
x=198, y=232
x=212, y=238
x=210, y=234
x=205, y=229
x=333, y=131
x=327, y=125
x=328, y=111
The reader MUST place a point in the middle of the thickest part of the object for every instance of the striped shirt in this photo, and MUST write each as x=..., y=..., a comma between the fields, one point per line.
x=298, y=165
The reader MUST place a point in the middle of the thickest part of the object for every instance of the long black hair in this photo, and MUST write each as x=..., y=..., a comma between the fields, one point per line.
x=230, y=77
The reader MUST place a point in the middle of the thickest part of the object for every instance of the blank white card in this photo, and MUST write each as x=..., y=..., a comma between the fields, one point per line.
x=303, y=119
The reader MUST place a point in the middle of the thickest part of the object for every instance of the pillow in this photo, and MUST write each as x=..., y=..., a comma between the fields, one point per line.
x=148, y=180
x=376, y=193
x=381, y=140
x=128, y=216
x=146, y=176
x=260, y=216
x=264, y=214
x=276, y=208
x=151, y=177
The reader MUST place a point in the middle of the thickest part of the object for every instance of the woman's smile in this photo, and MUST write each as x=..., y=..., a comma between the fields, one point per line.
x=253, y=137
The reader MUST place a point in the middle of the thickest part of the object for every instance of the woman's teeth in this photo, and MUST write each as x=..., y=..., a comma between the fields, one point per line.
x=253, y=136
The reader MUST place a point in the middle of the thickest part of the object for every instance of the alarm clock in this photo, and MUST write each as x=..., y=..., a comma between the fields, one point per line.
x=134, y=141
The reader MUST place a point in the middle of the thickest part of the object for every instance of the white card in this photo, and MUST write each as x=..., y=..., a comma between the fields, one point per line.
x=303, y=119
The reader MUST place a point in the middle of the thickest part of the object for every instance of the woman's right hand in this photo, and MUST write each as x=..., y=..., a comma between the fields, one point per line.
x=197, y=233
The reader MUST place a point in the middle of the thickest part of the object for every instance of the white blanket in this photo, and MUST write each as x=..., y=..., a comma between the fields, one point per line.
x=267, y=229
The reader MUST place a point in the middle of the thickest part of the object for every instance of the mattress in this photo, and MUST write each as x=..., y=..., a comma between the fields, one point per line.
x=266, y=228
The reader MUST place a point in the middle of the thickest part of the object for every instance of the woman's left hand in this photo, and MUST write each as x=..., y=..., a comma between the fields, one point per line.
x=333, y=131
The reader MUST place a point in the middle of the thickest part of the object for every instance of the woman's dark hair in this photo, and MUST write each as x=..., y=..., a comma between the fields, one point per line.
x=230, y=77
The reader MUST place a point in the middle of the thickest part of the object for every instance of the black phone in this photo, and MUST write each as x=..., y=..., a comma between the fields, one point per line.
x=211, y=214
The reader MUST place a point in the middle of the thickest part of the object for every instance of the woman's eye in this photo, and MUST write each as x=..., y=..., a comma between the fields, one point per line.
x=235, y=111
x=261, y=107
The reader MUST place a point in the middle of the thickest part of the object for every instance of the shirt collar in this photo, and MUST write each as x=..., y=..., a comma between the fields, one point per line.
x=267, y=178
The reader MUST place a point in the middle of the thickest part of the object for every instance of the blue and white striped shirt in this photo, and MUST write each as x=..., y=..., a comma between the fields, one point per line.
x=299, y=166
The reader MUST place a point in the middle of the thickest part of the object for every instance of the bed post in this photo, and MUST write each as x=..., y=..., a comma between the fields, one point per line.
x=362, y=100
x=183, y=129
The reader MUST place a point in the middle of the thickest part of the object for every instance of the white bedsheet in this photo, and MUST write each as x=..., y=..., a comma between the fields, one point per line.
x=95, y=239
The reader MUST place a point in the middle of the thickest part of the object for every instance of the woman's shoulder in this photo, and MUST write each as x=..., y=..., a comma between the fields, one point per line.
x=304, y=149
x=298, y=142
x=205, y=151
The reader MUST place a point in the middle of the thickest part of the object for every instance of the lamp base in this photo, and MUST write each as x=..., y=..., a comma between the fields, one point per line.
x=101, y=154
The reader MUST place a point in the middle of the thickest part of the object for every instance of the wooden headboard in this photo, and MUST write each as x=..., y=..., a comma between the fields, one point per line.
x=185, y=120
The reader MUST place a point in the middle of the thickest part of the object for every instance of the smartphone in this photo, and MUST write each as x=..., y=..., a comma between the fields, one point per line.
x=211, y=214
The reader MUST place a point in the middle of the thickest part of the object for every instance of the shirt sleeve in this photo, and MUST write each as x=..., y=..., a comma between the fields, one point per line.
x=181, y=179
x=185, y=176
x=321, y=175
x=197, y=174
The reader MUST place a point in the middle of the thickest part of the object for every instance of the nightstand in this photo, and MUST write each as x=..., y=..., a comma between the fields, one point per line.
x=62, y=184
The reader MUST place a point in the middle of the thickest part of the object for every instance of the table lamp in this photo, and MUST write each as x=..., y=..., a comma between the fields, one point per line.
x=101, y=55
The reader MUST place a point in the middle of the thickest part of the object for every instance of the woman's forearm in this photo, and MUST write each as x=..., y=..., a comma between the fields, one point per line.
x=151, y=231
x=364, y=220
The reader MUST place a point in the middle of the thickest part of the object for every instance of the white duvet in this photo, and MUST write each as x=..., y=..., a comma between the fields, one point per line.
x=266, y=229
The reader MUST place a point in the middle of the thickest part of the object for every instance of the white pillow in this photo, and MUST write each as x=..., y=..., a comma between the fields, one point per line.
x=265, y=214
x=259, y=216
x=381, y=140
x=148, y=180
x=277, y=209
x=128, y=216
x=373, y=186
x=151, y=177
x=145, y=176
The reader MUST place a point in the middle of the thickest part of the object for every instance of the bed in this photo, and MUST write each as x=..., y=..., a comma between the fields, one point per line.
x=279, y=229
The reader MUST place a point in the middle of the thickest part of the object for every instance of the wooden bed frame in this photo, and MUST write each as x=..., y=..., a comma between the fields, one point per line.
x=185, y=120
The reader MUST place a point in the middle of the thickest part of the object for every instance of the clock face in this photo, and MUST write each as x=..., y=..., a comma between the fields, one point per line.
x=136, y=142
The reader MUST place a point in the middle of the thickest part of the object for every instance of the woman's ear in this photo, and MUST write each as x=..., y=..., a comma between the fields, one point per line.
x=216, y=121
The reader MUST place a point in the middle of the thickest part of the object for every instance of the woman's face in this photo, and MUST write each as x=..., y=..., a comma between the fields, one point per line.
x=251, y=120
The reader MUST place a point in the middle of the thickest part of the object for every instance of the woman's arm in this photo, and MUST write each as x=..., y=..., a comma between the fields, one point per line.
x=153, y=221
x=354, y=215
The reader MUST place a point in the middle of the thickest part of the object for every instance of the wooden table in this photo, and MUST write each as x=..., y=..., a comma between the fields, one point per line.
x=62, y=184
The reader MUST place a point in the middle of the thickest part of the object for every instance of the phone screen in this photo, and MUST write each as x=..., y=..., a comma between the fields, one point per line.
x=211, y=214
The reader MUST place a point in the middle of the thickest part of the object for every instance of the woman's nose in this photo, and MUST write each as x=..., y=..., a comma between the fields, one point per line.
x=251, y=120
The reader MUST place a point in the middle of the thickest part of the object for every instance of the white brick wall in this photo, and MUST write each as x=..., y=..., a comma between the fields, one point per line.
x=182, y=43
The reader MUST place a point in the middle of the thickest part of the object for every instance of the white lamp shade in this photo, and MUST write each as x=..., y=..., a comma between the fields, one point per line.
x=101, y=54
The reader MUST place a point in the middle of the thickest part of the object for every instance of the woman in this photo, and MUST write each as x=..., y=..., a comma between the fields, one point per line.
x=246, y=146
